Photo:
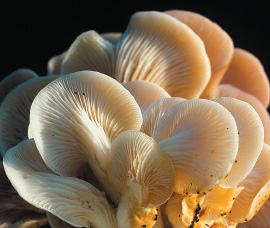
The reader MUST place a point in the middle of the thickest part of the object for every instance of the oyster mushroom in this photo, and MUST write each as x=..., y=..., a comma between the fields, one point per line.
x=200, y=137
x=256, y=190
x=250, y=133
x=15, y=109
x=144, y=177
x=226, y=90
x=75, y=119
x=247, y=73
x=218, y=44
x=72, y=200
x=54, y=64
x=155, y=47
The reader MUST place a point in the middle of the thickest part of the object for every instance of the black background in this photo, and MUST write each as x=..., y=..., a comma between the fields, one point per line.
x=31, y=33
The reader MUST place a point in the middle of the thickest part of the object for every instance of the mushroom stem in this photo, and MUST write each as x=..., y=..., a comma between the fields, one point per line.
x=133, y=211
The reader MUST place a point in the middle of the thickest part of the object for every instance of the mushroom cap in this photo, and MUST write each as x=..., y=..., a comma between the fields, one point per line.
x=226, y=90
x=256, y=190
x=200, y=137
x=145, y=93
x=13, y=80
x=218, y=44
x=247, y=73
x=54, y=64
x=155, y=47
x=56, y=222
x=15, y=109
x=251, y=134
x=155, y=111
x=138, y=159
x=72, y=200
x=75, y=118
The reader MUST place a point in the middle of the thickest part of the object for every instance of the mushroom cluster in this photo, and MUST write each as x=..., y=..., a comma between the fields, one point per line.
x=165, y=125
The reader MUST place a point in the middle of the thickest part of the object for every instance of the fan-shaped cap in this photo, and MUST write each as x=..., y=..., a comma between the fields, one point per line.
x=75, y=118
x=72, y=200
x=142, y=174
x=145, y=93
x=13, y=80
x=155, y=47
x=250, y=132
x=155, y=111
x=218, y=44
x=226, y=90
x=15, y=109
x=200, y=137
x=247, y=73
x=54, y=64
x=256, y=190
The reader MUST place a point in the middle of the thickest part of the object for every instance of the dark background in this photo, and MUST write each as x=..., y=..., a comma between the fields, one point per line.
x=31, y=33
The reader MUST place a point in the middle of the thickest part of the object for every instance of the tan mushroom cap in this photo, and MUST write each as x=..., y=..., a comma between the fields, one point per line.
x=145, y=93
x=251, y=134
x=75, y=118
x=54, y=64
x=72, y=200
x=256, y=190
x=155, y=47
x=200, y=137
x=155, y=111
x=15, y=109
x=13, y=80
x=143, y=175
x=218, y=44
x=226, y=90
x=247, y=73
x=261, y=218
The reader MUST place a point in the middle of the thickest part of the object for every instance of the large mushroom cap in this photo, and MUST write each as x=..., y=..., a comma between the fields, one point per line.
x=75, y=118
x=200, y=137
x=218, y=44
x=247, y=73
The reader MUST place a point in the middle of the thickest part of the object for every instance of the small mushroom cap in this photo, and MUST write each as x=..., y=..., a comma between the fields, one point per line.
x=200, y=137
x=155, y=111
x=256, y=190
x=247, y=73
x=75, y=118
x=13, y=80
x=145, y=93
x=251, y=134
x=155, y=47
x=54, y=64
x=226, y=90
x=72, y=200
x=15, y=109
x=218, y=44
x=138, y=159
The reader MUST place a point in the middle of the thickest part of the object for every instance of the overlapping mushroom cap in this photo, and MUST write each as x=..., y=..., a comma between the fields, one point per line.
x=142, y=140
